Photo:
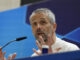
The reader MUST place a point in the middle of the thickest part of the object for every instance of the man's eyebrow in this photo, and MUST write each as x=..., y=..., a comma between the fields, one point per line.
x=42, y=18
x=33, y=19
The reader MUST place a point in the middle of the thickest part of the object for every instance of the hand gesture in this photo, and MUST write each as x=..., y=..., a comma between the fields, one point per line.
x=49, y=43
x=9, y=57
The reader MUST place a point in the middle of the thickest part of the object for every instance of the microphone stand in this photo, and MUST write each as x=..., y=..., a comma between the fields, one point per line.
x=18, y=39
x=8, y=43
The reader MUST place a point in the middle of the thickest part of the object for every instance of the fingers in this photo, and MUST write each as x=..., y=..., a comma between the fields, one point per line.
x=13, y=56
x=4, y=53
x=57, y=49
x=38, y=45
x=41, y=40
x=49, y=40
x=4, y=58
x=0, y=52
x=10, y=57
x=36, y=52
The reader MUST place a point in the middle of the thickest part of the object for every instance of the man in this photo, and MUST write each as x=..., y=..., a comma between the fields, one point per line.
x=43, y=27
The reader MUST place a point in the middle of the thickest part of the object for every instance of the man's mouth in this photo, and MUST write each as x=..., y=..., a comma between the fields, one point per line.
x=44, y=36
x=40, y=33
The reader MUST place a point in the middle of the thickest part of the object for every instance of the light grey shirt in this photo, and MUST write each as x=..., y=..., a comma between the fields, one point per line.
x=65, y=46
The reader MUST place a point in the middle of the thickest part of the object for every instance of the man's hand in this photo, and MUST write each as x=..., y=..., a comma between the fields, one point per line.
x=49, y=43
x=9, y=57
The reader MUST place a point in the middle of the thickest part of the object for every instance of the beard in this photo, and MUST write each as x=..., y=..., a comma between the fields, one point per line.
x=43, y=34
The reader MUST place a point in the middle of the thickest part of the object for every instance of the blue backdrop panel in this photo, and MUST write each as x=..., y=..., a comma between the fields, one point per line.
x=74, y=35
x=12, y=26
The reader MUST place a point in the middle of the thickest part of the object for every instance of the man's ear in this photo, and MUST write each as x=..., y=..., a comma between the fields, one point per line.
x=54, y=26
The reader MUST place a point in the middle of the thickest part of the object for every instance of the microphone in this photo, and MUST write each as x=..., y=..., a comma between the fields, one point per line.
x=18, y=39
x=21, y=38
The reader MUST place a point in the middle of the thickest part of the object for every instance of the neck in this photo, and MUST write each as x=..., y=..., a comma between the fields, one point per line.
x=54, y=38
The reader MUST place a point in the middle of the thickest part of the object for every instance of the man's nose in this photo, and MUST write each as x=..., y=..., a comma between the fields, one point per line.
x=38, y=26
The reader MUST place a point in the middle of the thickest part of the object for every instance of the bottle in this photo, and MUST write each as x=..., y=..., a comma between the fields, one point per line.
x=45, y=49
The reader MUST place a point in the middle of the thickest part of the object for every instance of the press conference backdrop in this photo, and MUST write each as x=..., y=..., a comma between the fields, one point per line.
x=12, y=26
x=15, y=23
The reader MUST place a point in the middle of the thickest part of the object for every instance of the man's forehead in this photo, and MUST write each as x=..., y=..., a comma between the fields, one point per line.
x=40, y=16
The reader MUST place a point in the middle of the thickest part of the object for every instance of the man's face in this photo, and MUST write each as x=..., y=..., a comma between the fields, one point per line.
x=41, y=25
